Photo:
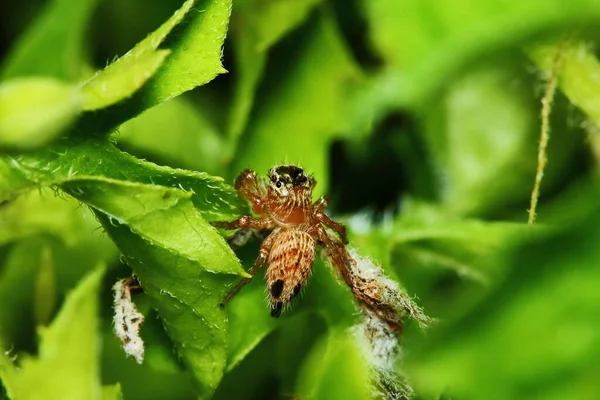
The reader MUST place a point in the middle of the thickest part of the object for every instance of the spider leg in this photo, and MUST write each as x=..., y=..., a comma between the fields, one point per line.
x=328, y=222
x=244, y=222
x=367, y=291
x=338, y=256
x=321, y=203
x=248, y=185
x=263, y=253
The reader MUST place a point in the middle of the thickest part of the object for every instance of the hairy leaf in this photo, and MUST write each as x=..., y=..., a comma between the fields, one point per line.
x=194, y=59
x=162, y=216
x=156, y=38
x=44, y=213
x=183, y=264
x=196, y=53
x=70, y=159
x=186, y=295
x=120, y=79
x=440, y=258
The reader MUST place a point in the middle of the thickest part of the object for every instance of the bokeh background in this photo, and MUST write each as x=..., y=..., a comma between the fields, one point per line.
x=421, y=121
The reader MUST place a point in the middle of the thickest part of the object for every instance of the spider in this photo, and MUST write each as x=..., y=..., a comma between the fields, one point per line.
x=284, y=205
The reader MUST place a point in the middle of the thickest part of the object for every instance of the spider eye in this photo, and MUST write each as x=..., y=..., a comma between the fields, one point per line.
x=278, y=184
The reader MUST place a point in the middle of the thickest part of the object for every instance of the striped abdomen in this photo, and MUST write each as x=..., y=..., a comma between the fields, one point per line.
x=288, y=267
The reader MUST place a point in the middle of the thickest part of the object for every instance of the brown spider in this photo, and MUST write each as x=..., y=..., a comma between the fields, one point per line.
x=284, y=206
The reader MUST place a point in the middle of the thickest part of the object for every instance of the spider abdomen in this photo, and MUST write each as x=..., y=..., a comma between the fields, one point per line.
x=288, y=266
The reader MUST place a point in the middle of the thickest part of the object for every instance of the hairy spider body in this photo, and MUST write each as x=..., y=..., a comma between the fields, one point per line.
x=288, y=267
x=284, y=206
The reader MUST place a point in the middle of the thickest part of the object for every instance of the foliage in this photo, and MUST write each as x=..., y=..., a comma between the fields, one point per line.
x=419, y=119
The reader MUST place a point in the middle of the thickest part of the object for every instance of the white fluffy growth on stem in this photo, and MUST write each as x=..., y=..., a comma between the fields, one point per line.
x=127, y=319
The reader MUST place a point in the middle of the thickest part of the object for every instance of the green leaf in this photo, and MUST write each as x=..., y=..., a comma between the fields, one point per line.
x=484, y=125
x=535, y=335
x=578, y=73
x=112, y=392
x=43, y=213
x=297, y=120
x=53, y=44
x=177, y=133
x=45, y=298
x=196, y=53
x=427, y=43
x=439, y=257
x=67, y=364
x=7, y=371
x=255, y=377
x=334, y=370
x=120, y=79
x=159, y=382
x=256, y=27
x=194, y=59
x=186, y=295
x=34, y=111
x=156, y=38
x=70, y=159
x=60, y=224
x=270, y=22
x=489, y=125
x=55, y=242
x=159, y=355
x=164, y=217
x=181, y=261
x=294, y=341
x=17, y=288
x=127, y=74
x=249, y=322
x=426, y=234
x=250, y=64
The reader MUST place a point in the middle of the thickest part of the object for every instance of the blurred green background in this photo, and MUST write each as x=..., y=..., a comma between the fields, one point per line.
x=420, y=119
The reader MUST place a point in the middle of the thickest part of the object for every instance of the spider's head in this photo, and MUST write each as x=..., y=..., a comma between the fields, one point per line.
x=282, y=178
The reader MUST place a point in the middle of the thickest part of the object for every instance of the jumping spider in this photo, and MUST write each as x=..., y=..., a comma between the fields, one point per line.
x=298, y=226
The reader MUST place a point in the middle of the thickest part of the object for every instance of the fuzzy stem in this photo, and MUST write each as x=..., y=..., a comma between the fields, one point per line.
x=545, y=129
